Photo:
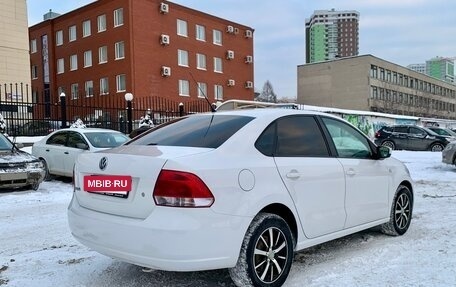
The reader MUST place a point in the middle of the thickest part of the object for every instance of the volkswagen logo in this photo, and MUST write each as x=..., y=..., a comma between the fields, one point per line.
x=103, y=163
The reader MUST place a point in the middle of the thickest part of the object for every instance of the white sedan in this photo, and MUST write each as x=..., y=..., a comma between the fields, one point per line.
x=59, y=150
x=238, y=189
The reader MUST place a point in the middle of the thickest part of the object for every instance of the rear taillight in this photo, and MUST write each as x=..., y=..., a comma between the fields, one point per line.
x=181, y=189
x=377, y=135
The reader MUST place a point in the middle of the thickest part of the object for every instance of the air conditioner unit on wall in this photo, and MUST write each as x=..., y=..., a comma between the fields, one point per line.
x=230, y=55
x=248, y=34
x=231, y=83
x=164, y=8
x=249, y=85
x=165, y=71
x=249, y=59
x=164, y=39
x=230, y=29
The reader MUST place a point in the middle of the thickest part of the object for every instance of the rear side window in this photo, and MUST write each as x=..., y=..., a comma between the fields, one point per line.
x=208, y=131
x=402, y=130
x=57, y=139
x=294, y=136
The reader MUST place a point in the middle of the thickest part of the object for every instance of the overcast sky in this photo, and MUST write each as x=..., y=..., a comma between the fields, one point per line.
x=399, y=31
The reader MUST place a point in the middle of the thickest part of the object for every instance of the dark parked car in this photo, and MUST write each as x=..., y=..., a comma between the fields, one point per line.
x=38, y=128
x=451, y=135
x=410, y=137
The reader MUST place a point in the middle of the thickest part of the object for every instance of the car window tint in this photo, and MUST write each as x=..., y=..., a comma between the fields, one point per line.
x=400, y=130
x=417, y=131
x=349, y=142
x=265, y=142
x=300, y=136
x=209, y=131
x=57, y=139
x=74, y=139
x=105, y=139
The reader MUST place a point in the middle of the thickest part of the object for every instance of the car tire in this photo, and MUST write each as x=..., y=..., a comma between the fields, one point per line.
x=437, y=147
x=47, y=175
x=401, y=212
x=268, y=245
x=389, y=144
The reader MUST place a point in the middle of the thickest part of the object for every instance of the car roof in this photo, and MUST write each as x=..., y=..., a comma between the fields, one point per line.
x=267, y=112
x=88, y=130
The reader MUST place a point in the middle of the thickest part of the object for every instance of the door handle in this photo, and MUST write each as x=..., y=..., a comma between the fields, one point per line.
x=293, y=174
x=351, y=172
x=66, y=152
x=47, y=150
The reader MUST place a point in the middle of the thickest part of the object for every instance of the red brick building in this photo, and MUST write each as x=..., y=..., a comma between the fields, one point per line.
x=149, y=48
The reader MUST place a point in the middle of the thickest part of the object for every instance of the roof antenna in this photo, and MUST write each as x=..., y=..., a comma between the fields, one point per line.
x=202, y=92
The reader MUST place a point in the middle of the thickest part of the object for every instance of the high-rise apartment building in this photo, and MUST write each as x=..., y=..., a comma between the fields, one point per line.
x=332, y=34
x=14, y=50
x=441, y=68
x=149, y=48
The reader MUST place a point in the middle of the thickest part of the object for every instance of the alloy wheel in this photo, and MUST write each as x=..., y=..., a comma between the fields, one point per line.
x=402, y=212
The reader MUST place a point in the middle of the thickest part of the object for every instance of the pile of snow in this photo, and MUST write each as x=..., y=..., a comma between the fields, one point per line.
x=37, y=248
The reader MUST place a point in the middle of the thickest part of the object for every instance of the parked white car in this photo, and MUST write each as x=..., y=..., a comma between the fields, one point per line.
x=59, y=150
x=238, y=189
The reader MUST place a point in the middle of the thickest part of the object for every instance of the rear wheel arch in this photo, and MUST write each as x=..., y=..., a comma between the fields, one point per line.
x=284, y=212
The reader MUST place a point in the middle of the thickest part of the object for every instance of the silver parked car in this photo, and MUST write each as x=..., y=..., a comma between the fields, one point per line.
x=18, y=168
x=449, y=153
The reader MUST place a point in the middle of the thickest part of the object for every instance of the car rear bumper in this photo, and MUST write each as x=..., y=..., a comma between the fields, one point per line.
x=172, y=239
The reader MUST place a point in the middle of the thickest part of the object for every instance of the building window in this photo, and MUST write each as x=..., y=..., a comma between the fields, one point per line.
x=34, y=72
x=73, y=62
x=202, y=90
x=201, y=61
x=104, y=86
x=121, y=83
x=33, y=47
x=218, y=65
x=218, y=92
x=200, y=33
x=120, y=50
x=101, y=20
x=217, y=37
x=74, y=91
x=182, y=28
x=72, y=33
x=88, y=87
x=182, y=58
x=184, y=88
x=373, y=73
x=60, y=66
x=102, y=54
x=59, y=38
x=86, y=31
x=87, y=58
x=118, y=17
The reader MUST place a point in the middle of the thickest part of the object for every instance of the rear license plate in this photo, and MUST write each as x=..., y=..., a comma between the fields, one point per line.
x=111, y=185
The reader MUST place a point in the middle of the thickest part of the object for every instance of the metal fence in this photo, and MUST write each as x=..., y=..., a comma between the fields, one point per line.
x=33, y=114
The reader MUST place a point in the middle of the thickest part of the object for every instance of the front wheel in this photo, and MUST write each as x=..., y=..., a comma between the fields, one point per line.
x=47, y=175
x=266, y=254
x=437, y=147
x=401, y=212
x=389, y=144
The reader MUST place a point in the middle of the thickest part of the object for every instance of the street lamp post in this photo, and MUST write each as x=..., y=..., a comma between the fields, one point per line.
x=129, y=98
x=63, y=109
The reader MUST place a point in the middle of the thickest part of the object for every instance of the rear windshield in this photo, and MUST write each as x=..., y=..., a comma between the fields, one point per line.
x=208, y=131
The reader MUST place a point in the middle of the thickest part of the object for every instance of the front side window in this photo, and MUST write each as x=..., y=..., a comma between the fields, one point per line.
x=200, y=33
x=74, y=91
x=87, y=59
x=218, y=65
x=59, y=38
x=184, y=88
x=217, y=37
x=118, y=17
x=120, y=50
x=121, y=83
x=101, y=21
x=104, y=86
x=86, y=31
x=182, y=58
x=349, y=142
x=72, y=33
x=201, y=61
x=103, y=54
x=182, y=28
x=75, y=140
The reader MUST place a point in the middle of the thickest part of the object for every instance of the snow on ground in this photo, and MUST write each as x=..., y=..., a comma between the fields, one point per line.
x=37, y=249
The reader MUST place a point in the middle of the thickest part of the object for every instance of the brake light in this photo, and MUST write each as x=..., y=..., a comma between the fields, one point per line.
x=181, y=189
x=377, y=134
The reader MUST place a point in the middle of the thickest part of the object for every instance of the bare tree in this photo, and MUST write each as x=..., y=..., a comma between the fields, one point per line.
x=267, y=95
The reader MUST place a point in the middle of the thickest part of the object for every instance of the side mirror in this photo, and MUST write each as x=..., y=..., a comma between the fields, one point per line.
x=82, y=146
x=383, y=152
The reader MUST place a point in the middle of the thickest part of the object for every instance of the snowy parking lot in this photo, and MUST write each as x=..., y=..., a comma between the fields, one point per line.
x=37, y=248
